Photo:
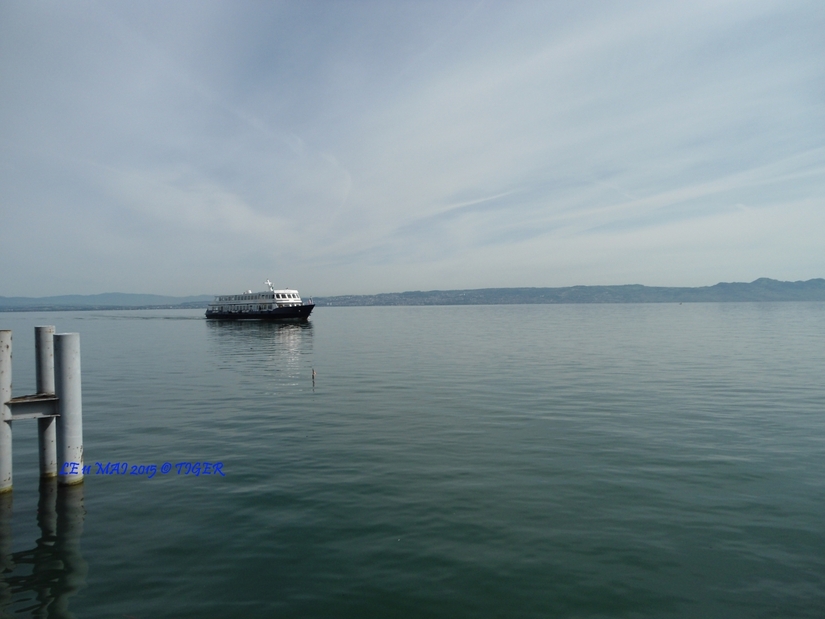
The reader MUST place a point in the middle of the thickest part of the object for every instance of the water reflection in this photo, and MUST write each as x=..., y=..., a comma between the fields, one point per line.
x=259, y=345
x=40, y=581
x=257, y=329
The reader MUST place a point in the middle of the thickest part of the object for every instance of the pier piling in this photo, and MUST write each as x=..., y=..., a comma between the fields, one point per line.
x=57, y=406
x=70, y=408
x=46, y=426
x=5, y=411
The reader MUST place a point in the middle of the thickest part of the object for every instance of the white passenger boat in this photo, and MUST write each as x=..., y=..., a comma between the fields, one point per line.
x=272, y=304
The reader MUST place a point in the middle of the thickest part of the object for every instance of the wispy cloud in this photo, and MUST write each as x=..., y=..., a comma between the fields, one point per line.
x=363, y=147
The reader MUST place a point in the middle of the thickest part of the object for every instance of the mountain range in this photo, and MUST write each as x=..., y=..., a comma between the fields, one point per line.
x=763, y=289
x=107, y=300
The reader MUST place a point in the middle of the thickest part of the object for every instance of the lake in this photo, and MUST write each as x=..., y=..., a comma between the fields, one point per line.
x=467, y=461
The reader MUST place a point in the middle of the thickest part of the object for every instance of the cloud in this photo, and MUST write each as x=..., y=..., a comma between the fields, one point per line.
x=366, y=147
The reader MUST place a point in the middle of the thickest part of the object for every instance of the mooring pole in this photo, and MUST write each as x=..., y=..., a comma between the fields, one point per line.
x=5, y=411
x=70, y=407
x=46, y=426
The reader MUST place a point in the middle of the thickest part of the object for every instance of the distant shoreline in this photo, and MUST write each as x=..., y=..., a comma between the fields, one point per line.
x=90, y=308
x=760, y=290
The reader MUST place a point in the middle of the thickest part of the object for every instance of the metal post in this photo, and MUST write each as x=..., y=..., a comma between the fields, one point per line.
x=44, y=345
x=5, y=411
x=46, y=437
x=70, y=405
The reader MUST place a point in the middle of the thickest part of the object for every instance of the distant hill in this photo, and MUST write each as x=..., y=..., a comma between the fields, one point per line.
x=108, y=300
x=762, y=289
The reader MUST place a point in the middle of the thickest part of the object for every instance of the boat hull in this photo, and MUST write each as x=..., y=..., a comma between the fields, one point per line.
x=295, y=313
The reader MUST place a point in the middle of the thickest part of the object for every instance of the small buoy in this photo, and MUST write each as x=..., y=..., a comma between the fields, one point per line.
x=313, y=373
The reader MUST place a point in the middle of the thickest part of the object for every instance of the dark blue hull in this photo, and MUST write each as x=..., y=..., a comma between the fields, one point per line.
x=297, y=312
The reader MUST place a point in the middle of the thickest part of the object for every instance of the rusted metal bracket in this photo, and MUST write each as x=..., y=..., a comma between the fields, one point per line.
x=36, y=406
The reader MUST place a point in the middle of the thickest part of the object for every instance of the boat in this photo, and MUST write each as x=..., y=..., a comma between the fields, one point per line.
x=285, y=304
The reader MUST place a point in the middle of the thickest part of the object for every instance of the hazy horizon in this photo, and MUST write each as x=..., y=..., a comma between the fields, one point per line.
x=365, y=147
x=390, y=292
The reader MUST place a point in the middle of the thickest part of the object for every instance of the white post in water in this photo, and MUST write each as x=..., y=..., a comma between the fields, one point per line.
x=46, y=437
x=70, y=406
x=5, y=411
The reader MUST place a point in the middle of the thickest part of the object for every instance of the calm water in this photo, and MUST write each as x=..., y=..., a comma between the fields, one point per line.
x=508, y=461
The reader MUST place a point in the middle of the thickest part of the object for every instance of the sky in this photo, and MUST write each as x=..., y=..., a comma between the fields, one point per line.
x=362, y=147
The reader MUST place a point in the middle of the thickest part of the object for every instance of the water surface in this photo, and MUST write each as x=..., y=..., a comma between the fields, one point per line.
x=498, y=461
